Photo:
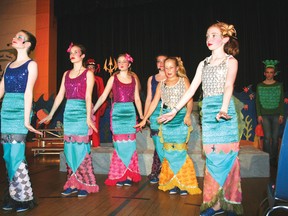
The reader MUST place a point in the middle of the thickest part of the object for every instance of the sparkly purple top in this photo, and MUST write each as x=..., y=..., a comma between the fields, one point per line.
x=76, y=87
x=123, y=92
x=15, y=79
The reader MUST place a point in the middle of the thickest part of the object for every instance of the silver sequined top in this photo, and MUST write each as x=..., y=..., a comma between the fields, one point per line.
x=171, y=95
x=214, y=77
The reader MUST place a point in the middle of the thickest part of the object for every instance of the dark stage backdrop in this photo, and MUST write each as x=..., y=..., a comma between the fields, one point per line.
x=144, y=28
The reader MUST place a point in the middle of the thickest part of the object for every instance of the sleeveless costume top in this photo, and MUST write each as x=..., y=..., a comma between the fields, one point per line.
x=171, y=95
x=76, y=87
x=214, y=77
x=15, y=79
x=123, y=92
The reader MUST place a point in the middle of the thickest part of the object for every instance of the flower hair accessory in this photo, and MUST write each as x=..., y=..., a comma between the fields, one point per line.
x=70, y=47
x=129, y=58
x=228, y=30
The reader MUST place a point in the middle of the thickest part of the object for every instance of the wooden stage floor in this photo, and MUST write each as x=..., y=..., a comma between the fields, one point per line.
x=140, y=199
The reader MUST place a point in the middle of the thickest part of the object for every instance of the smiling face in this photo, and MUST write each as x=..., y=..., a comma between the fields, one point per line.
x=170, y=68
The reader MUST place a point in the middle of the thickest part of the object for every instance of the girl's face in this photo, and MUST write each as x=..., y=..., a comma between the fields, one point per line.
x=170, y=69
x=76, y=54
x=214, y=38
x=160, y=62
x=19, y=40
x=123, y=63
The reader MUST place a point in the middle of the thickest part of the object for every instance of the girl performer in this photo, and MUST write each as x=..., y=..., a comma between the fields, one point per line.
x=220, y=135
x=17, y=85
x=77, y=85
x=177, y=172
x=124, y=166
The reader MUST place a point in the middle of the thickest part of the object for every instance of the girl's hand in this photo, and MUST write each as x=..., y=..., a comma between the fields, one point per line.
x=166, y=117
x=140, y=125
x=46, y=120
x=91, y=125
x=187, y=120
x=223, y=115
x=32, y=129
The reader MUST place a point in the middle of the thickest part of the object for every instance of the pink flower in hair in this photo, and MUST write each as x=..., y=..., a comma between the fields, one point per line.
x=129, y=58
x=70, y=47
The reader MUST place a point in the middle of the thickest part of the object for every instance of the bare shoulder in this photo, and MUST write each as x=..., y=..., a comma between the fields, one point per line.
x=232, y=60
x=149, y=79
x=90, y=73
x=32, y=65
x=186, y=80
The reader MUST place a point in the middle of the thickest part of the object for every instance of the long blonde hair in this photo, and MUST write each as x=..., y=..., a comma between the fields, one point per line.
x=179, y=63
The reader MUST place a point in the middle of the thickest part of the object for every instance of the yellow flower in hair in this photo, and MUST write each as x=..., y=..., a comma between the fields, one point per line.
x=228, y=30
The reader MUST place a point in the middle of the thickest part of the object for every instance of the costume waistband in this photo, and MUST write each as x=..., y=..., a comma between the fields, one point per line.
x=174, y=146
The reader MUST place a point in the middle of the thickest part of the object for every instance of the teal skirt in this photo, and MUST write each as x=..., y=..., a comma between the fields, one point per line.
x=221, y=132
x=76, y=128
x=12, y=114
x=75, y=118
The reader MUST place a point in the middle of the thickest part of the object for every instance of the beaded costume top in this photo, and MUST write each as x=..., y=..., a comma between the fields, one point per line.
x=123, y=92
x=15, y=79
x=171, y=95
x=76, y=87
x=214, y=77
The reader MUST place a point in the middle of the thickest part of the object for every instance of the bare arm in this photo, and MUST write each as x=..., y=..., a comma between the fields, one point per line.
x=152, y=107
x=105, y=94
x=148, y=96
x=137, y=99
x=189, y=105
x=28, y=95
x=228, y=89
x=88, y=99
x=2, y=84
x=58, y=100
x=186, y=97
